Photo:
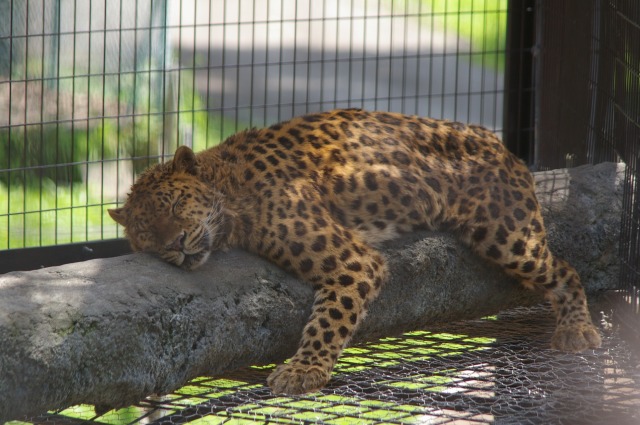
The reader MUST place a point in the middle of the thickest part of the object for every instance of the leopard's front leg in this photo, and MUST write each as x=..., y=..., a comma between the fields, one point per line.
x=346, y=275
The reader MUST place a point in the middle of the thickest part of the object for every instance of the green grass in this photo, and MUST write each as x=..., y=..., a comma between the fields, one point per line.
x=53, y=214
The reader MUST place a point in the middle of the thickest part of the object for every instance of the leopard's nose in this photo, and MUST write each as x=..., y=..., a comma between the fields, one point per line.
x=178, y=243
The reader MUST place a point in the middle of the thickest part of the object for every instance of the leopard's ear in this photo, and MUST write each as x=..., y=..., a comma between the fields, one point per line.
x=118, y=215
x=185, y=160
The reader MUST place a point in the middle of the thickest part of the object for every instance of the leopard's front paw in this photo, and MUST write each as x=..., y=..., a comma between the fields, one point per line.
x=294, y=378
x=576, y=338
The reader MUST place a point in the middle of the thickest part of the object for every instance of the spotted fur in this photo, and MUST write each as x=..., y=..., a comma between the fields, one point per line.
x=317, y=193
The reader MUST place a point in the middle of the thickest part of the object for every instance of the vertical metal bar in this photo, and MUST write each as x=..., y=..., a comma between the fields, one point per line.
x=456, y=67
x=10, y=127
x=405, y=58
x=25, y=127
x=482, y=84
x=518, y=102
x=73, y=116
x=223, y=66
x=151, y=71
x=496, y=83
x=336, y=57
x=322, y=56
x=238, y=36
x=445, y=54
x=365, y=55
x=279, y=101
x=57, y=121
x=472, y=48
x=194, y=92
x=179, y=87
x=391, y=57
x=483, y=65
x=208, y=107
x=308, y=80
x=536, y=83
x=119, y=97
x=252, y=65
x=601, y=146
x=350, y=57
x=267, y=63
x=134, y=99
x=295, y=58
x=431, y=27
x=102, y=115
x=88, y=141
x=165, y=80
x=416, y=100
x=42, y=91
x=377, y=61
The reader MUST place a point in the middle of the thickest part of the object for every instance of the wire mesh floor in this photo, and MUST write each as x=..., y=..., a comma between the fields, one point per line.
x=493, y=370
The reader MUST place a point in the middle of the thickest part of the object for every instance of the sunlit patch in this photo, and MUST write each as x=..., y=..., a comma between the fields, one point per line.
x=413, y=345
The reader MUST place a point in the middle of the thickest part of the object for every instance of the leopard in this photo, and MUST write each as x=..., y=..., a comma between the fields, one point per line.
x=318, y=194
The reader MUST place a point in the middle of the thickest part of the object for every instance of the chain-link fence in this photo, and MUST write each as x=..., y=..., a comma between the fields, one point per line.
x=494, y=370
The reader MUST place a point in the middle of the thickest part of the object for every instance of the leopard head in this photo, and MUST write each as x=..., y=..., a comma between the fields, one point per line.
x=170, y=211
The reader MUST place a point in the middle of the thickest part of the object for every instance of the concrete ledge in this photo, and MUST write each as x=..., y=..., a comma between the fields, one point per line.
x=110, y=332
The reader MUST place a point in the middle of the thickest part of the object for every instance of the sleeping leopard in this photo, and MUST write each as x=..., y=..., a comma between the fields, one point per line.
x=316, y=194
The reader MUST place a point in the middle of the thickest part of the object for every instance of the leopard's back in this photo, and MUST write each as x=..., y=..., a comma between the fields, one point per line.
x=381, y=173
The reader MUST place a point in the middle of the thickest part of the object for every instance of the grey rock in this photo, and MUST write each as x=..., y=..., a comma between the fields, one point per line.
x=112, y=331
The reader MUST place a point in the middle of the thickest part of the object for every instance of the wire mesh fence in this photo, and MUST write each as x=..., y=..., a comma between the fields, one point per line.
x=93, y=92
x=590, y=104
x=626, y=134
x=494, y=370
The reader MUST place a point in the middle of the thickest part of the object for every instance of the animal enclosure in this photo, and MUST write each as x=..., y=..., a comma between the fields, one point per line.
x=93, y=92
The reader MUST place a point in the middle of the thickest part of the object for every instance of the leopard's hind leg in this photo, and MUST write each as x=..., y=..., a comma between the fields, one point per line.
x=517, y=242
x=574, y=330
